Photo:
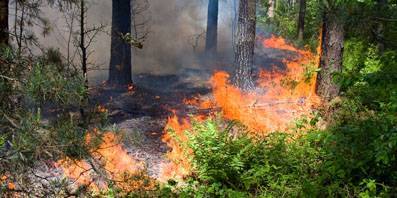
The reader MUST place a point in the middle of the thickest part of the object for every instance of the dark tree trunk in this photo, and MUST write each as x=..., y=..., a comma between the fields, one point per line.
x=4, y=22
x=120, y=60
x=83, y=46
x=244, y=50
x=301, y=19
x=331, y=56
x=380, y=28
x=212, y=27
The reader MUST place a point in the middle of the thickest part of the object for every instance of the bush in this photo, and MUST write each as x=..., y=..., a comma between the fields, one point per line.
x=45, y=83
x=26, y=83
x=236, y=165
x=354, y=156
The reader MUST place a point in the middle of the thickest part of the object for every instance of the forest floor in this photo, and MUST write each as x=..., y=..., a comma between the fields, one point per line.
x=142, y=114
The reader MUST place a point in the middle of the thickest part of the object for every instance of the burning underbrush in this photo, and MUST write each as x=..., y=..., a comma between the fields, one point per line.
x=109, y=165
x=281, y=97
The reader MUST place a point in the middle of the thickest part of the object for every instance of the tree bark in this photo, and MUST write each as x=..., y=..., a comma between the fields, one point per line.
x=272, y=7
x=4, y=22
x=301, y=19
x=331, y=56
x=83, y=46
x=244, y=50
x=380, y=28
x=212, y=27
x=120, y=60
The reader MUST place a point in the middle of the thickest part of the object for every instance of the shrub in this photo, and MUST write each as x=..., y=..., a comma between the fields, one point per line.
x=236, y=165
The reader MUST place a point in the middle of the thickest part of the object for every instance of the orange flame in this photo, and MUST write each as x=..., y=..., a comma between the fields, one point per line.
x=110, y=162
x=130, y=88
x=174, y=134
x=10, y=185
x=102, y=109
x=281, y=97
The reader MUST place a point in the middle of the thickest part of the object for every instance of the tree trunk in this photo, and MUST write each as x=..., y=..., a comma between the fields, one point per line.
x=244, y=50
x=380, y=28
x=212, y=27
x=83, y=49
x=83, y=46
x=301, y=19
x=331, y=56
x=120, y=60
x=272, y=7
x=4, y=22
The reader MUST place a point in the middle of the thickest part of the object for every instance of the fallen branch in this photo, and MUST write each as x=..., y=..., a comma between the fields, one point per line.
x=299, y=102
x=11, y=121
x=8, y=78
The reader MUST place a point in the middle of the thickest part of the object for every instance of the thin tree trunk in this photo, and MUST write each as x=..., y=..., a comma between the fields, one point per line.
x=4, y=22
x=331, y=56
x=244, y=51
x=120, y=60
x=212, y=27
x=83, y=46
x=272, y=7
x=301, y=19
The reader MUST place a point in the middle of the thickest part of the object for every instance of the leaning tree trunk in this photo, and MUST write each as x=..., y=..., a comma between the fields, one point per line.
x=120, y=60
x=4, y=22
x=212, y=27
x=331, y=56
x=301, y=19
x=244, y=50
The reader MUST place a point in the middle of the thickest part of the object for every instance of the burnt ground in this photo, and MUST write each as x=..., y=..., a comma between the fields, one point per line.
x=142, y=114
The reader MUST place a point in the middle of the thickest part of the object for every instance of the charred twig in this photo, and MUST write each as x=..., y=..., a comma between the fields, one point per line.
x=11, y=121
x=205, y=111
x=8, y=78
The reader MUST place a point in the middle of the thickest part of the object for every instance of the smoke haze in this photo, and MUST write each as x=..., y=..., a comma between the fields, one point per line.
x=175, y=41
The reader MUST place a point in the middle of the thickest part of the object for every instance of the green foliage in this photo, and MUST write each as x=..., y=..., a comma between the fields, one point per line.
x=46, y=83
x=369, y=76
x=36, y=141
x=339, y=161
x=285, y=20
x=354, y=156
x=227, y=165
x=362, y=141
x=12, y=69
x=28, y=85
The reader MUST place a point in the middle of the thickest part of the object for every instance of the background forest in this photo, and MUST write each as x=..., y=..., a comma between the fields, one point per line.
x=242, y=98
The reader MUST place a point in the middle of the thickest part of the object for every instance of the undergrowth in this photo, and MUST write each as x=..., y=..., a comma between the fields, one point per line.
x=355, y=155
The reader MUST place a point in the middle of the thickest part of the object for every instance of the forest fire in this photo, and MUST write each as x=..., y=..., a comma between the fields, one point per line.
x=174, y=135
x=281, y=97
x=110, y=162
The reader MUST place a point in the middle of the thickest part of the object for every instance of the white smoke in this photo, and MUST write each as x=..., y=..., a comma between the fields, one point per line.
x=176, y=38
